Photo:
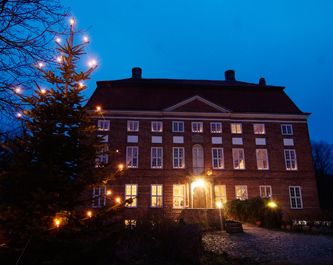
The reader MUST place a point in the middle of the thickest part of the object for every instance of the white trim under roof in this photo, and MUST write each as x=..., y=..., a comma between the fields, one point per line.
x=186, y=101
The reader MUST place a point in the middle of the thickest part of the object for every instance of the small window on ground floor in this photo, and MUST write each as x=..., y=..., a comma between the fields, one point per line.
x=156, y=195
x=241, y=192
x=220, y=194
x=178, y=196
x=265, y=191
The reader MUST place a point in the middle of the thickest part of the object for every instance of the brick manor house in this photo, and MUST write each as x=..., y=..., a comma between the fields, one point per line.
x=188, y=144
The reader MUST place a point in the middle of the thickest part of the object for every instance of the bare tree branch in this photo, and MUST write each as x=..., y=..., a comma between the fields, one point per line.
x=322, y=154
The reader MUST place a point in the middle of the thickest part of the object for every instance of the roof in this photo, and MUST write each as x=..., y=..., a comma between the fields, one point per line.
x=134, y=94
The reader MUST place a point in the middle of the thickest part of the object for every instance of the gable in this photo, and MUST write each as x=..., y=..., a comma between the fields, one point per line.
x=196, y=104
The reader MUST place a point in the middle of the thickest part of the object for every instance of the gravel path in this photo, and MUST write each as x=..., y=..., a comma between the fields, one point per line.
x=269, y=247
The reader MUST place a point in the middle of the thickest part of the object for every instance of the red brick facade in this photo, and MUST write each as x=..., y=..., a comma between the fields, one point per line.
x=206, y=111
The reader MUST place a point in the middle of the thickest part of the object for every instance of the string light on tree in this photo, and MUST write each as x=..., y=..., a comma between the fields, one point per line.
x=58, y=40
x=89, y=214
x=85, y=39
x=108, y=193
x=118, y=200
x=17, y=90
x=43, y=91
x=19, y=115
x=81, y=85
x=72, y=21
x=41, y=65
x=98, y=108
x=57, y=222
x=59, y=59
x=121, y=167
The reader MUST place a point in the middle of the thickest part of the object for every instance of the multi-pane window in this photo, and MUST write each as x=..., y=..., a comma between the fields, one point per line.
x=238, y=158
x=156, y=157
x=132, y=156
x=102, y=155
x=178, y=196
x=286, y=129
x=156, y=195
x=217, y=158
x=178, y=157
x=197, y=127
x=262, y=159
x=236, y=128
x=131, y=192
x=220, y=194
x=265, y=191
x=177, y=126
x=295, y=196
x=215, y=127
x=132, y=126
x=98, y=196
x=103, y=125
x=241, y=192
x=103, y=138
x=290, y=159
x=259, y=128
x=156, y=126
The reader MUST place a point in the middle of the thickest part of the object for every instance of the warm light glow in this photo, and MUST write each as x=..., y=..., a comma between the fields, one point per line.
x=198, y=183
x=58, y=39
x=19, y=115
x=43, y=91
x=41, y=65
x=108, y=192
x=85, y=39
x=219, y=205
x=89, y=214
x=98, y=108
x=272, y=204
x=209, y=173
x=92, y=63
x=81, y=85
x=18, y=90
x=57, y=222
x=59, y=59
x=72, y=21
x=120, y=167
x=117, y=151
x=118, y=200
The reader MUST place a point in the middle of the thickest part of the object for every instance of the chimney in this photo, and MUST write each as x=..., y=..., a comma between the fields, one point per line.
x=136, y=73
x=229, y=75
x=262, y=82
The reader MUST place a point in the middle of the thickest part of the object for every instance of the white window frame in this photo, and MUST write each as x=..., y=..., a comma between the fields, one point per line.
x=261, y=162
x=102, y=155
x=132, y=195
x=258, y=125
x=132, y=156
x=237, y=153
x=103, y=125
x=98, y=196
x=216, y=127
x=182, y=197
x=263, y=191
x=243, y=191
x=295, y=199
x=287, y=129
x=290, y=163
x=156, y=197
x=157, y=126
x=217, y=158
x=104, y=138
x=133, y=126
x=222, y=197
x=178, y=157
x=156, y=157
x=236, y=128
x=197, y=126
x=178, y=126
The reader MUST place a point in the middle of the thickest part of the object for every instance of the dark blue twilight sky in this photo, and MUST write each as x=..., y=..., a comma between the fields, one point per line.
x=289, y=42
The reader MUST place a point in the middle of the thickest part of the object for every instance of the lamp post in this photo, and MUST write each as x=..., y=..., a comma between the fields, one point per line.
x=219, y=205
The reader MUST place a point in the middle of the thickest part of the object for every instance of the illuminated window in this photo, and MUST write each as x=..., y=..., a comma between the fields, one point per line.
x=132, y=126
x=178, y=196
x=178, y=157
x=103, y=125
x=290, y=159
x=130, y=223
x=259, y=128
x=215, y=127
x=131, y=192
x=295, y=195
x=238, y=158
x=286, y=129
x=197, y=127
x=98, y=196
x=177, y=126
x=265, y=191
x=236, y=128
x=156, y=157
x=241, y=192
x=220, y=194
x=156, y=126
x=217, y=158
x=132, y=156
x=156, y=195
x=262, y=159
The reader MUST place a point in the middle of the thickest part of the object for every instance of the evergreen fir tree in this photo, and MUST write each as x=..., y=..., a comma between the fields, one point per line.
x=54, y=160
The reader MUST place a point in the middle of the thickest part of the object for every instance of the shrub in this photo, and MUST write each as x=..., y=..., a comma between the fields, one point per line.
x=253, y=210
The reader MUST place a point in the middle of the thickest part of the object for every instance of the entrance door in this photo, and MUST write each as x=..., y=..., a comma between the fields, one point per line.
x=199, y=197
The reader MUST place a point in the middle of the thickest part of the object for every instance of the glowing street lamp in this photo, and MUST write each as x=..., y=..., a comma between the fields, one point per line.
x=272, y=204
x=219, y=205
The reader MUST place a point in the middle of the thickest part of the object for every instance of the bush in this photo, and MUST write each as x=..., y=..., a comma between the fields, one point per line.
x=254, y=210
